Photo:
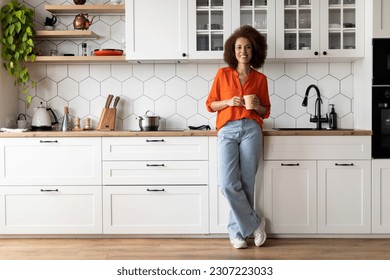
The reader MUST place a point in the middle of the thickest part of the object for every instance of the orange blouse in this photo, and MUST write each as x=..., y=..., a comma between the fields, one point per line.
x=226, y=85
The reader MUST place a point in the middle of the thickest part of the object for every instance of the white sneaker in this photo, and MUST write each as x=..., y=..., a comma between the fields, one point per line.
x=238, y=243
x=259, y=234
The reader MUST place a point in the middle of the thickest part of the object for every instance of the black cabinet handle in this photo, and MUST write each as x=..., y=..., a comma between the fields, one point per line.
x=183, y=54
x=343, y=164
x=155, y=190
x=324, y=53
x=48, y=141
x=290, y=164
x=316, y=53
x=153, y=165
x=55, y=190
x=155, y=140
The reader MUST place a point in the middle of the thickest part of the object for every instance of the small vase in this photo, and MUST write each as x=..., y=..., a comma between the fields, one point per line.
x=79, y=2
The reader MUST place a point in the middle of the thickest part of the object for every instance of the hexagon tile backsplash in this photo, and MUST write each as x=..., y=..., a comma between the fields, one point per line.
x=175, y=92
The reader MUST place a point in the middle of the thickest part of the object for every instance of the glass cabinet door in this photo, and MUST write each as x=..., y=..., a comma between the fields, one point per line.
x=342, y=25
x=208, y=27
x=298, y=29
x=261, y=15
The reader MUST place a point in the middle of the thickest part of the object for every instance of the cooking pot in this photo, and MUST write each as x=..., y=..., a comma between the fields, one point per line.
x=148, y=122
x=42, y=119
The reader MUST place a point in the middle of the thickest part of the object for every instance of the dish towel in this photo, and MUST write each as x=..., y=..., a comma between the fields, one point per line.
x=3, y=129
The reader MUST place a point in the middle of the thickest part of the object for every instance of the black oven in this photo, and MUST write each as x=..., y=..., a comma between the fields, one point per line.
x=380, y=122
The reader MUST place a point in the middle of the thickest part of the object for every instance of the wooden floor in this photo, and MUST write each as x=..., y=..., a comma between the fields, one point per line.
x=192, y=249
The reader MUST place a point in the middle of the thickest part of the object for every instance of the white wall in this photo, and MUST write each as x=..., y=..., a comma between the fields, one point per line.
x=8, y=94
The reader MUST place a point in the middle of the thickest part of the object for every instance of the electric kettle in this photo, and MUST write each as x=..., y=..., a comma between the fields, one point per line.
x=42, y=119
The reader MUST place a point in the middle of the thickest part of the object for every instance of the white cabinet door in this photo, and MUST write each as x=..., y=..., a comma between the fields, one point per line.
x=156, y=30
x=51, y=210
x=381, y=196
x=297, y=28
x=50, y=161
x=209, y=25
x=290, y=196
x=381, y=19
x=344, y=196
x=342, y=29
x=155, y=172
x=158, y=210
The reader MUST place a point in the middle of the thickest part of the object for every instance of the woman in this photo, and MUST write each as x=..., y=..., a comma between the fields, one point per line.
x=240, y=130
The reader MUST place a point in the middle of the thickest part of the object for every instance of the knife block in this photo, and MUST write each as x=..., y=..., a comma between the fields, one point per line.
x=107, y=119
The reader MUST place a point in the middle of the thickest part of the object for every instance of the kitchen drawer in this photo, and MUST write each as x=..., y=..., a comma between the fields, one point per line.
x=155, y=210
x=51, y=210
x=155, y=148
x=155, y=172
x=317, y=147
x=50, y=161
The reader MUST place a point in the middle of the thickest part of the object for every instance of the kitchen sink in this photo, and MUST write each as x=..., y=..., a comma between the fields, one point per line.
x=308, y=128
x=296, y=128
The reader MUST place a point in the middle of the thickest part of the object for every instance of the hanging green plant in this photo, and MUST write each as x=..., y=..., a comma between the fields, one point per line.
x=18, y=31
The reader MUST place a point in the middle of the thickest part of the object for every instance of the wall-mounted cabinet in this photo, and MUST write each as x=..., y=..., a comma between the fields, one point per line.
x=209, y=25
x=156, y=30
x=313, y=29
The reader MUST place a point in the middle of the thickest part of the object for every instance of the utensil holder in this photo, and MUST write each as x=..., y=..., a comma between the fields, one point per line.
x=107, y=119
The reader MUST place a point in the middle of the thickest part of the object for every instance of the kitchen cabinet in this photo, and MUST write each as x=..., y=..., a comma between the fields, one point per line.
x=50, y=161
x=212, y=22
x=209, y=25
x=51, y=209
x=50, y=185
x=381, y=20
x=381, y=196
x=344, y=196
x=162, y=209
x=155, y=185
x=310, y=182
x=156, y=30
x=290, y=196
x=314, y=28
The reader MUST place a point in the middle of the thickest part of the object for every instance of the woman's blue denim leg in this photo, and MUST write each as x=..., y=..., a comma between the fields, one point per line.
x=239, y=147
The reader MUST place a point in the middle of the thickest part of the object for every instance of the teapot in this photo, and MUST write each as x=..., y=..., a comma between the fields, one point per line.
x=81, y=21
x=42, y=120
x=50, y=21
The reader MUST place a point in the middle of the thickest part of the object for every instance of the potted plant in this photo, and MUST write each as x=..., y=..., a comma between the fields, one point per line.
x=18, y=30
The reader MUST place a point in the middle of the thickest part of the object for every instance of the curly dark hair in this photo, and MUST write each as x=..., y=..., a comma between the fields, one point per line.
x=259, y=45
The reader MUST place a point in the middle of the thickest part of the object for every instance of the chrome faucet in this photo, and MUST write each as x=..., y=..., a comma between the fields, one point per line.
x=317, y=115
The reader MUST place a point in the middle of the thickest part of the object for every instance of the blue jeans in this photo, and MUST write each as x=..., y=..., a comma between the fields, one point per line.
x=239, y=148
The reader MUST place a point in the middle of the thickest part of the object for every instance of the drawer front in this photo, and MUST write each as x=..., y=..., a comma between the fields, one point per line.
x=155, y=172
x=156, y=210
x=155, y=148
x=51, y=210
x=49, y=161
x=317, y=147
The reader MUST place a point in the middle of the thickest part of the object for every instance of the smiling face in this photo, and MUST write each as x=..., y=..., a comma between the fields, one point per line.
x=243, y=50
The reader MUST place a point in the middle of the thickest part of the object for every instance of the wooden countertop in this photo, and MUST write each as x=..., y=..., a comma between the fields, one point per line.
x=184, y=133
